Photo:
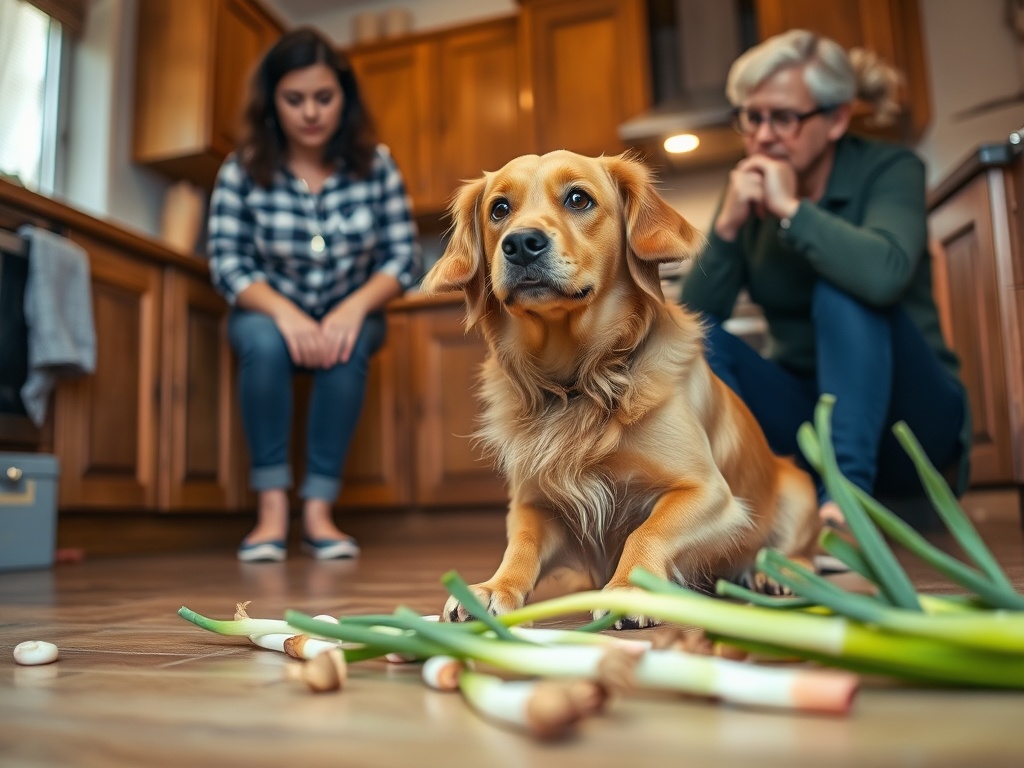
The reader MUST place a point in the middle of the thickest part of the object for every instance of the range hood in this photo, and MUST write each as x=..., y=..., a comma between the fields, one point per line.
x=693, y=44
x=692, y=112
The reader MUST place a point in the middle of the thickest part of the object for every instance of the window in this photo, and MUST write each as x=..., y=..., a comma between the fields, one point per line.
x=31, y=43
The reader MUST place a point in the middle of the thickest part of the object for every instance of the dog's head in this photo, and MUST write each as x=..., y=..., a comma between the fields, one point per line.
x=556, y=233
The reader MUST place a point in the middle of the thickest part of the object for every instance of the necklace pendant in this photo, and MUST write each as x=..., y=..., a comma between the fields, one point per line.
x=317, y=244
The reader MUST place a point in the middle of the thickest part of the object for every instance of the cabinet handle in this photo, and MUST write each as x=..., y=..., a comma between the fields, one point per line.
x=14, y=474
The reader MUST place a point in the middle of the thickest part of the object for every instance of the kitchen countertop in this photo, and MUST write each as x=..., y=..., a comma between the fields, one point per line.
x=983, y=157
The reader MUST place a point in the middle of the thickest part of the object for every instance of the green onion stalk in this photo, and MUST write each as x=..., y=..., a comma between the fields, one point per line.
x=830, y=639
x=735, y=682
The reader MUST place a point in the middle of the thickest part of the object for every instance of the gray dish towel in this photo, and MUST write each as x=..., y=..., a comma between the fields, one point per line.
x=58, y=313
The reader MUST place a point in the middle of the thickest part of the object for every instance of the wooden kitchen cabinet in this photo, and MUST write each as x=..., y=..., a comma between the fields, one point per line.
x=378, y=469
x=975, y=219
x=400, y=91
x=446, y=104
x=413, y=446
x=890, y=28
x=194, y=60
x=105, y=424
x=587, y=66
x=449, y=467
x=482, y=126
x=154, y=427
x=199, y=429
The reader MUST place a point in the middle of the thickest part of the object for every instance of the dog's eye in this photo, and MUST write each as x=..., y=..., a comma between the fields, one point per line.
x=500, y=210
x=578, y=201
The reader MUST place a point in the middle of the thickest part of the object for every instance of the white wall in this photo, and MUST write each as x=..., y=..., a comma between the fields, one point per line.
x=100, y=177
x=972, y=57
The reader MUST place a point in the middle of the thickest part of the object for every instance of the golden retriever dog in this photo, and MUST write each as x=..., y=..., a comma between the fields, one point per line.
x=620, y=447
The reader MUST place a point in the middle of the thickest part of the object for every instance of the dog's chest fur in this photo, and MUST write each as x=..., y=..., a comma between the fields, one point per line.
x=571, y=454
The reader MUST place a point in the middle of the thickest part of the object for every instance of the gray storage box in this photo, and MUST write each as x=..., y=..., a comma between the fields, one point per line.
x=28, y=510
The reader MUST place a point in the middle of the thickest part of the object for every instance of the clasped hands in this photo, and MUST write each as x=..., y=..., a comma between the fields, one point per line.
x=322, y=344
x=759, y=184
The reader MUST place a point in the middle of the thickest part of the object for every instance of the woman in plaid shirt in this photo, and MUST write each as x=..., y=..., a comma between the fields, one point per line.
x=310, y=236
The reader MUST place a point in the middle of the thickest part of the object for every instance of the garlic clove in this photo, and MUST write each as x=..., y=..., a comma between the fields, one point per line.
x=35, y=652
x=327, y=671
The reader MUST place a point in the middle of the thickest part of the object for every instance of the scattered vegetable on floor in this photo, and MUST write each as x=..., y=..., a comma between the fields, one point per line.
x=544, y=680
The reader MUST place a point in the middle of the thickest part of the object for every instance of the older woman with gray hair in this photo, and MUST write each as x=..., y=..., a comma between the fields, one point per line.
x=828, y=233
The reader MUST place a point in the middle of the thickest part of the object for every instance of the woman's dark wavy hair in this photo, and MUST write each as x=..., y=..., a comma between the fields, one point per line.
x=263, y=143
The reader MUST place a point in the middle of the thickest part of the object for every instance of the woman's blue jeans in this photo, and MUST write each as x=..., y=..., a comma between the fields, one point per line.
x=265, y=390
x=881, y=371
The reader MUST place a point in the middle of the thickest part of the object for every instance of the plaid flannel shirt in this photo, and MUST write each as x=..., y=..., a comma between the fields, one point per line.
x=265, y=234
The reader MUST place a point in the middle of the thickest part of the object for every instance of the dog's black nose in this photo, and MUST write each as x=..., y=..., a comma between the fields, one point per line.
x=524, y=246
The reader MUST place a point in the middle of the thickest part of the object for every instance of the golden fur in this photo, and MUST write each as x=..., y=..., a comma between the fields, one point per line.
x=620, y=446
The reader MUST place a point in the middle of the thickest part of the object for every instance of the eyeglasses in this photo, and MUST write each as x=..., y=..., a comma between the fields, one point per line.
x=783, y=122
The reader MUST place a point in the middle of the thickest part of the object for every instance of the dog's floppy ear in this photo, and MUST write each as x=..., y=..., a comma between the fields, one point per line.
x=655, y=231
x=461, y=266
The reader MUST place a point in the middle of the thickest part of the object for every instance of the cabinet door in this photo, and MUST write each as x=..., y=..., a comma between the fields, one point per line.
x=450, y=468
x=588, y=70
x=193, y=62
x=964, y=227
x=105, y=424
x=243, y=34
x=398, y=83
x=197, y=469
x=377, y=470
x=890, y=28
x=481, y=126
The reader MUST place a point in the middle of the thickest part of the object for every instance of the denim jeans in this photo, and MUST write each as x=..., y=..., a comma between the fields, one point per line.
x=881, y=371
x=265, y=392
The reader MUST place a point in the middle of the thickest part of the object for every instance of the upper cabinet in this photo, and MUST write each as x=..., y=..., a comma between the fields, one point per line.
x=890, y=28
x=400, y=94
x=446, y=104
x=482, y=124
x=194, y=59
x=588, y=69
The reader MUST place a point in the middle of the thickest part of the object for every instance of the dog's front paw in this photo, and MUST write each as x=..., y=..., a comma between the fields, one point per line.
x=630, y=621
x=763, y=584
x=497, y=602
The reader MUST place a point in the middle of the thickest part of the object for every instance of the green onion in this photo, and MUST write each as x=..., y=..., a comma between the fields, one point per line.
x=539, y=707
x=729, y=589
x=990, y=631
x=949, y=510
x=993, y=593
x=460, y=591
x=238, y=627
x=731, y=681
x=993, y=586
x=846, y=553
x=830, y=639
x=891, y=578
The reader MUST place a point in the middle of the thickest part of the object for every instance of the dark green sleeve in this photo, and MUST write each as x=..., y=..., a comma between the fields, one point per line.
x=876, y=260
x=715, y=278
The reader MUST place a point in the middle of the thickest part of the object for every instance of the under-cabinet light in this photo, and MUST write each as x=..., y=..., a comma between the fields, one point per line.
x=680, y=143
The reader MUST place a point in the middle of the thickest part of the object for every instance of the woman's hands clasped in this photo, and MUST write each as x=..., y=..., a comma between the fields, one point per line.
x=759, y=184
x=323, y=344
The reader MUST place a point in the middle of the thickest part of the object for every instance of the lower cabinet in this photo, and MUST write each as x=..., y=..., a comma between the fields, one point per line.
x=377, y=471
x=154, y=427
x=449, y=465
x=976, y=225
x=414, y=445
x=106, y=424
x=199, y=429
